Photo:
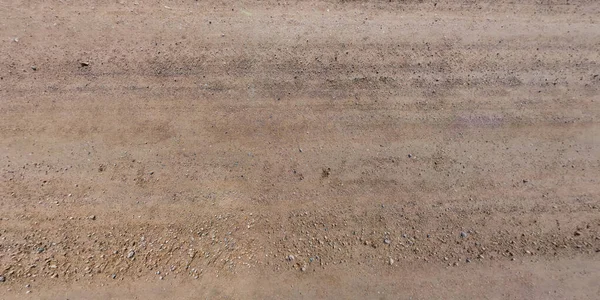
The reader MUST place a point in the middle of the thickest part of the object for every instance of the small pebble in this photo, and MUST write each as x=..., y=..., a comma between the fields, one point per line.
x=463, y=234
x=391, y=262
x=131, y=254
x=2, y=279
x=113, y=276
x=290, y=257
x=387, y=241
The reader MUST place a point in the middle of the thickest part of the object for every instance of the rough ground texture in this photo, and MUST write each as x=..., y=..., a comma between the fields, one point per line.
x=304, y=149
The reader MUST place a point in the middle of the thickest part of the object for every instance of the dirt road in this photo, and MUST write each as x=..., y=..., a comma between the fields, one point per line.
x=274, y=150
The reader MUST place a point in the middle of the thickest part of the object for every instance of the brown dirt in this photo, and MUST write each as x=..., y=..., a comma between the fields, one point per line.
x=404, y=149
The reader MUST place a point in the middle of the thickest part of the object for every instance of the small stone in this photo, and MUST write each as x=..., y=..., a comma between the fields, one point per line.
x=161, y=278
x=387, y=241
x=131, y=254
x=2, y=279
x=480, y=256
x=303, y=269
x=113, y=276
x=92, y=217
x=28, y=285
x=34, y=68
x=468, y=260
x=577, y=233
x=84, y=63
x=27, y=292
x=290, y=257
x=463, y=234
x=409, y=155
x=391, y=261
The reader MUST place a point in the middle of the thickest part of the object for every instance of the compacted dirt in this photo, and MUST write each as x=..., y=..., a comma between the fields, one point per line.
x=336, y=149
